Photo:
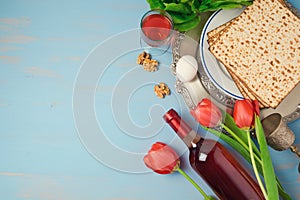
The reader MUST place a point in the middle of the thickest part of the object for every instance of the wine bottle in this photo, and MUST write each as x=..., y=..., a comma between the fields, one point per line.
x=215, y=164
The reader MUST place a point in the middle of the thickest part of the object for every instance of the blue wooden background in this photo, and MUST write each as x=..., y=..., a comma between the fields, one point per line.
x=44, y=45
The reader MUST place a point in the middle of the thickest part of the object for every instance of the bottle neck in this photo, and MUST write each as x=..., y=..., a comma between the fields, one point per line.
x=182, y=129
x=191, y=139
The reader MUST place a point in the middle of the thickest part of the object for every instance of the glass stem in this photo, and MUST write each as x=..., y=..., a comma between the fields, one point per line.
x=206, y=197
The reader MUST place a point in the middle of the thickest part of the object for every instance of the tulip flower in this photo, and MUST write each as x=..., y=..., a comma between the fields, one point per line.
x=245, y=116
x=162, y=159
x=244, y=112
x=207, y=113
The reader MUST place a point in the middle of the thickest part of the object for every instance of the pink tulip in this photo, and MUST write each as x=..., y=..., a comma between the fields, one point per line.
x=162, y=159
x=207, y=113
x=243, y=113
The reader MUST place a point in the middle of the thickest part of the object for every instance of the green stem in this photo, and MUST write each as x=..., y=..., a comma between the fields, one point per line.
x=240, y=141
x=230, y=123
x=234, y=136
x=242, y=150
x=206, y=197
x=255, y=168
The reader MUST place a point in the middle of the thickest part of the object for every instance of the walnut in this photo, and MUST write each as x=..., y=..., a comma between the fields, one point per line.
x=161, y=90
x=149, y=64
x=142, y=57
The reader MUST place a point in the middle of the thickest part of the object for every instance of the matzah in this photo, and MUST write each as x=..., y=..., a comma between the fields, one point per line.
x=213, y=34
x=261, y=48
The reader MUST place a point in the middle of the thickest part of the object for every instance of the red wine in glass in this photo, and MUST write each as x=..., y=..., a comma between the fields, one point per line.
x=157, y=29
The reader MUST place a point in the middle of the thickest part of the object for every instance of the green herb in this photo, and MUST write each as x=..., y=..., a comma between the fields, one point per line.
x=154, y=4
x=185, y=26
x=181, y=18
x=182, y=8
x=212, y=5
x=186, y=13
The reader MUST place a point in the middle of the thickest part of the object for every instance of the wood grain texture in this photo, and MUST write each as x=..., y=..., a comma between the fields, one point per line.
x=42, y=47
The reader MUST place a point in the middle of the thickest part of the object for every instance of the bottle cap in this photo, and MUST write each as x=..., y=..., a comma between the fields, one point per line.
x=177, y=124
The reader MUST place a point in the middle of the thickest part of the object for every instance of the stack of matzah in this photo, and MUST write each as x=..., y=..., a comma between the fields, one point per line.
x=261, y=50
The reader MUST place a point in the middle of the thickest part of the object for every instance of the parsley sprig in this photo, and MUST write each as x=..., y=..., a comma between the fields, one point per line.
x=186, y=13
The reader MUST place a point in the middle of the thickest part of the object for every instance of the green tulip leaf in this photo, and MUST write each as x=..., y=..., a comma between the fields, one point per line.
x=282, y=193
x=229, y=122
x=267, y=166
x=233, y=143
x=244, y=150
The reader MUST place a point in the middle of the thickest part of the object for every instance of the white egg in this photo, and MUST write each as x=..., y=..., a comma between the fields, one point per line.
x=186, y=68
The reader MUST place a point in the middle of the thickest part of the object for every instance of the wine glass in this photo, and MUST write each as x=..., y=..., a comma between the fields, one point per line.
x=157, y=31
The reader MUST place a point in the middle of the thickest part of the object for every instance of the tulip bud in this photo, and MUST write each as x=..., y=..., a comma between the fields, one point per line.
x=207, y=113
x=162, y=159
x=243, y=113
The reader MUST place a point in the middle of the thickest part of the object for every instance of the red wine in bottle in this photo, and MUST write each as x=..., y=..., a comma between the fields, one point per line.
x=215, y=164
